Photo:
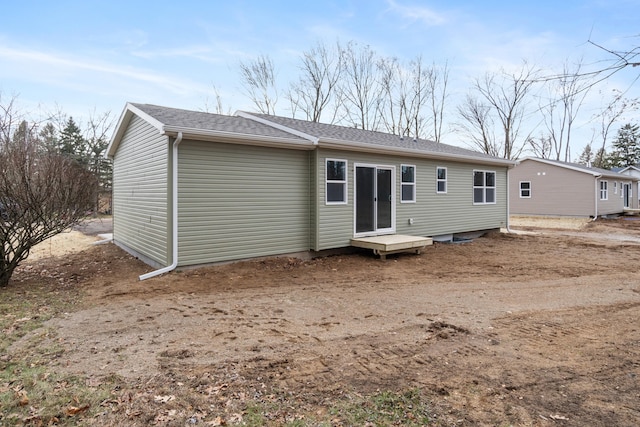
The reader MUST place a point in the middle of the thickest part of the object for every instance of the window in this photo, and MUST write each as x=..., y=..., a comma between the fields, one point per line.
x=408, y=184
x=441, y=180
x=621, y=192
x=604, y=190
x=484, y=187
x=525, y=189
x=615, y=187
x=336, y=193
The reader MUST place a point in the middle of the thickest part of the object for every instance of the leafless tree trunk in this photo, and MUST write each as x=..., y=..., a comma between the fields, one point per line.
x=41, y=195
x=610, y=115
x=259, y=82
x=405, y=96
x=478, y=125
x=506, y=95
x=391, y=109
x=360, y=88
x=218, y=107
x=567, y=93
x=9, y=119
x=541, y=147
x=97, y=139
x=437, y=81
x=316, y=89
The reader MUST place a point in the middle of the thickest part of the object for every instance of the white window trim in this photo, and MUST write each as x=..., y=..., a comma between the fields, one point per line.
x=615, y=187
x=484, y=187
x=604, y=190
x=344, y=182
x=622, y=191
x=529, y=189
x=412, y=184
x=446, y=177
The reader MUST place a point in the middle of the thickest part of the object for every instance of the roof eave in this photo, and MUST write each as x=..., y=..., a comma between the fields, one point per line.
x=238, y=138
x=379, y=149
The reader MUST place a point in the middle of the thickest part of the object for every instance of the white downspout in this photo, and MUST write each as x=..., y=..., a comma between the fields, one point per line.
x=174, y=214
x=596, y=196
x=508, y=201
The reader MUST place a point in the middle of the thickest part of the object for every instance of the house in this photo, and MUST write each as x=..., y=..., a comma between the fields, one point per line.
x=193, y=188
x=634, y=172
x=550, y=187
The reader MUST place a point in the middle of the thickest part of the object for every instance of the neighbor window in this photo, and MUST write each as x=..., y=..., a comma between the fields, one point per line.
x=408, y=184
x=525, y=189
x=621, y=192
x=441, y=180
x=604, y=190
x=336, y=182
x=484, y=187
x=615, y=187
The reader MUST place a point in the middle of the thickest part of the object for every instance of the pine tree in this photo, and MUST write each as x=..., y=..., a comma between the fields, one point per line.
x=626, y=147
x=602, y=159
x=49, y=137
x=71, y=142
x=586, y=158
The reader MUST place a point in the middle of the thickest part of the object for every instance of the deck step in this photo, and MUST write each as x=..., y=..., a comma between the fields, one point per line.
x=392, y=243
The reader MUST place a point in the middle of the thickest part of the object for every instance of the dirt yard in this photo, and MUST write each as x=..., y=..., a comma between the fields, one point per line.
x=539, y=328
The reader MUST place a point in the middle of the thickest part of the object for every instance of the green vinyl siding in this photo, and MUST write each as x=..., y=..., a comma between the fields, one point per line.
x=433, y=214
x=241, y=201
x=140, y=192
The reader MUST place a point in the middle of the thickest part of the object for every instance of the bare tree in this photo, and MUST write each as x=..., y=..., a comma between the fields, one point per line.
x=437, y=82
x=391, y=110
x=258, y=79
x=405, y=96
x=567, y=93
x=542, y=146
x=218, y=107
x=612, y=114
x=96, y=139
x=9, y=119
x=506, y=95
x=360, y=88
x=316, y=89
x=478, y=124
x=41, y=195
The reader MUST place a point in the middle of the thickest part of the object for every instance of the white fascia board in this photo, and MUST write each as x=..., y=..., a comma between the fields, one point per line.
x=121, y=127
x=397, y=151
x=238, y=138
x=283, y=128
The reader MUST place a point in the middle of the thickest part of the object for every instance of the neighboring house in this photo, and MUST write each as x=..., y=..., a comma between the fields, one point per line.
x=634, y=172
x=193, y=188
x=550, y=187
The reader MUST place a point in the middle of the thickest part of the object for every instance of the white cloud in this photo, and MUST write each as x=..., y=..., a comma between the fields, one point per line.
x=420, y=14
x=68, y=70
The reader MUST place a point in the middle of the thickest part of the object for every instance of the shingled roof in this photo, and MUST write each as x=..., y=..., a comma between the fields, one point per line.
x=199, y=120
x=298, y=133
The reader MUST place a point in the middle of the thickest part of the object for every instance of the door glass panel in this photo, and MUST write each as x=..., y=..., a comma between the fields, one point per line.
x=365, y=199
x=384, y=198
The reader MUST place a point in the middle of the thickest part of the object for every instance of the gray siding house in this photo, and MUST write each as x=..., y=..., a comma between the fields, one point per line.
x=554, y=188
x=194, y=188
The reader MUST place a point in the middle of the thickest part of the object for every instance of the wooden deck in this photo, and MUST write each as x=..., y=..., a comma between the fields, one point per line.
x=392, y=243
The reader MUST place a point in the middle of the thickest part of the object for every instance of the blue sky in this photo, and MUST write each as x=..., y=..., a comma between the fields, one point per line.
x=96, y=55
